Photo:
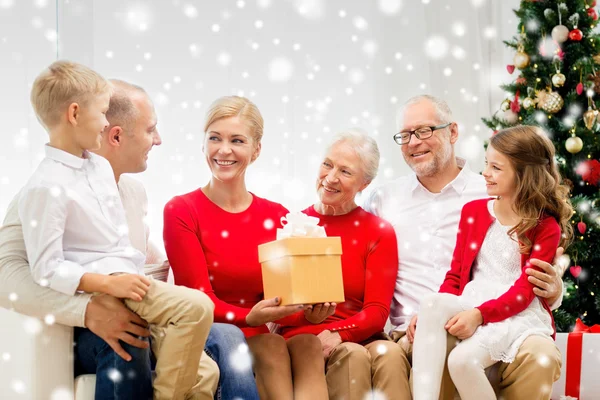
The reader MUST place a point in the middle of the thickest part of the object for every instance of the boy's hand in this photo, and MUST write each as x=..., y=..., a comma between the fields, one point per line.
x=128, y=286
x=317, y=313
x=464, y=324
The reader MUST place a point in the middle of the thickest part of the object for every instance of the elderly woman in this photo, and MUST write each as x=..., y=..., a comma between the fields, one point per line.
x=369, y=267
x=211, y=238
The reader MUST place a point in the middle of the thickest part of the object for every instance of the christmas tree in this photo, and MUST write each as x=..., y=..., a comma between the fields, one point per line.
x=557, y=87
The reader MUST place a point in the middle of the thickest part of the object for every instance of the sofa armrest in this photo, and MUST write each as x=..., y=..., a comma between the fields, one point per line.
x=36, y=359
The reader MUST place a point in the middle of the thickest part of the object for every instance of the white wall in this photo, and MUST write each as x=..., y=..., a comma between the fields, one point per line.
x=286, y=55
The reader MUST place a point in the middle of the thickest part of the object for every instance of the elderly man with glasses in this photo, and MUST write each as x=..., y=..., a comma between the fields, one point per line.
x=424, y=208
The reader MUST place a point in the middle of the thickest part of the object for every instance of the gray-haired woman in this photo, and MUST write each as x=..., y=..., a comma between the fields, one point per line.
x=369, y=267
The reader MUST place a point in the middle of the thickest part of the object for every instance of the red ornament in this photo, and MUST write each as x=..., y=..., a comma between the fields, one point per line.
x=589, y=171
x=575, y=271
x=579, y=88
x=576, y=35
x=581, y=227
x=592, y=13
x=592, y=3
x=514, y=105
x=510, y=69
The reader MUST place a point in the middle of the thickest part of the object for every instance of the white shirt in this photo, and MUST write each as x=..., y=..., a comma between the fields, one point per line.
x=74, y=221
x=426, y=225
x=20, y=292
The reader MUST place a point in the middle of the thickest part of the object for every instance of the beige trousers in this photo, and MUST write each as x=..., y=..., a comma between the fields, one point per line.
x=384, y=367
x=180, y=320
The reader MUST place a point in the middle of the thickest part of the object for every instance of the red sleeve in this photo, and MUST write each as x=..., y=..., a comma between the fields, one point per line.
x=451, y=283
x=518, y=297
x=187, y=260
x=380, y=281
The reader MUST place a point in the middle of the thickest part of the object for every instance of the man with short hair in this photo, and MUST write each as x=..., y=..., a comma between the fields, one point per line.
x=116, y=332
x=424, y=208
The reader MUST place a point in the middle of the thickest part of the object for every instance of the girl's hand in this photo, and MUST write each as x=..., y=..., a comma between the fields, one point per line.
x=317, y=313
x=412, y=327
x=464, y=324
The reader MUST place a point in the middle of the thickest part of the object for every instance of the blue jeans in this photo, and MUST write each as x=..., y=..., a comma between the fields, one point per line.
x=116, y=379
x=226, y=345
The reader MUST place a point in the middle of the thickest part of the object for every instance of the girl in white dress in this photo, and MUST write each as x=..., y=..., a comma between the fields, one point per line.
x=486, y=300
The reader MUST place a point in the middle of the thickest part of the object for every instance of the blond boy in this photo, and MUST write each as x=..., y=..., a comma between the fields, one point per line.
x=75, y=228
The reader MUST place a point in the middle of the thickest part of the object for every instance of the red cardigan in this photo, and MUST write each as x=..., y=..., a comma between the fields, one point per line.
x=475, y=221
x=369, y=269
x=216, y=251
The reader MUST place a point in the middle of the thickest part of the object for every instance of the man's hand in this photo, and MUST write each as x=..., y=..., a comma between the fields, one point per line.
x=127, y=286
x=412, y=327
x=329, y=341
x=464, y=324
x=108, y=318
x=548, y=282
x=317, y=313
x=269, y=310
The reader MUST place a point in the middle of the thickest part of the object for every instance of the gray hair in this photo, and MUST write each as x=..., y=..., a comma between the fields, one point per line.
x=364, y=146
x=121, y=110
x=442, y=110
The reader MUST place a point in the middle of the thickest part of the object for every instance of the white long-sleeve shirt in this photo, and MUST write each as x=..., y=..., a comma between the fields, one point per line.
x=17, y=287
x=426, y=225
x=74, y=222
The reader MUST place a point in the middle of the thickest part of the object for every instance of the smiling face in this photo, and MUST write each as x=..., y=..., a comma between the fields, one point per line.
x=341, y=176
x=142, y=134
x=229, y=148
x=499, y=173
x=91, y=122
x=429, y=156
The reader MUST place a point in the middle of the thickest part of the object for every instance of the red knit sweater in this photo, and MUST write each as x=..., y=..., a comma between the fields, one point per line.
x=369, y=268
x=475, y=221
x=217, y=251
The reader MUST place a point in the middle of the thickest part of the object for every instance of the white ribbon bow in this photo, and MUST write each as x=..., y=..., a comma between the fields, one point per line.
x=300, y=225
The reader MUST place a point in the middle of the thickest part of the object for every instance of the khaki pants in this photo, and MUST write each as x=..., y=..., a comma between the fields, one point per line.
x=180, y=320
x=385, y=366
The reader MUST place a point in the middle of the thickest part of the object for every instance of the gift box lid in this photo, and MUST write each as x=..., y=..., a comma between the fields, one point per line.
x=300, y=246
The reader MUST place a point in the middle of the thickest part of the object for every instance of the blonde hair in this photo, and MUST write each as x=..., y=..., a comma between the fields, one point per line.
x=63, y=83
x=540, y=190
x=236, y=106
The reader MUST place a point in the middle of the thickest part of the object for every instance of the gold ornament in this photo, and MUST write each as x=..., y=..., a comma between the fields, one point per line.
x=558, y=79
x=574, y=144
x=589, y=117
x=528, y=103
x=505, y=105
x=551, y=102
x=596, y=58
x=521, y=59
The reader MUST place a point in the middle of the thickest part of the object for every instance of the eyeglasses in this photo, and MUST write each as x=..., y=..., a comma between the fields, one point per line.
x=424, y=132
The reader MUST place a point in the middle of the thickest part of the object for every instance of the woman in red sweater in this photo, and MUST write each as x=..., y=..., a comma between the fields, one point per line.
x=486, y=300
x=211, y=237
x=369, y=267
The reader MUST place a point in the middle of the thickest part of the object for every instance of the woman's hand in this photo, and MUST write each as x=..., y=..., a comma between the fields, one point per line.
x=329, y=341
x=317, y=313
x=269, y=310
x=464, y=324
